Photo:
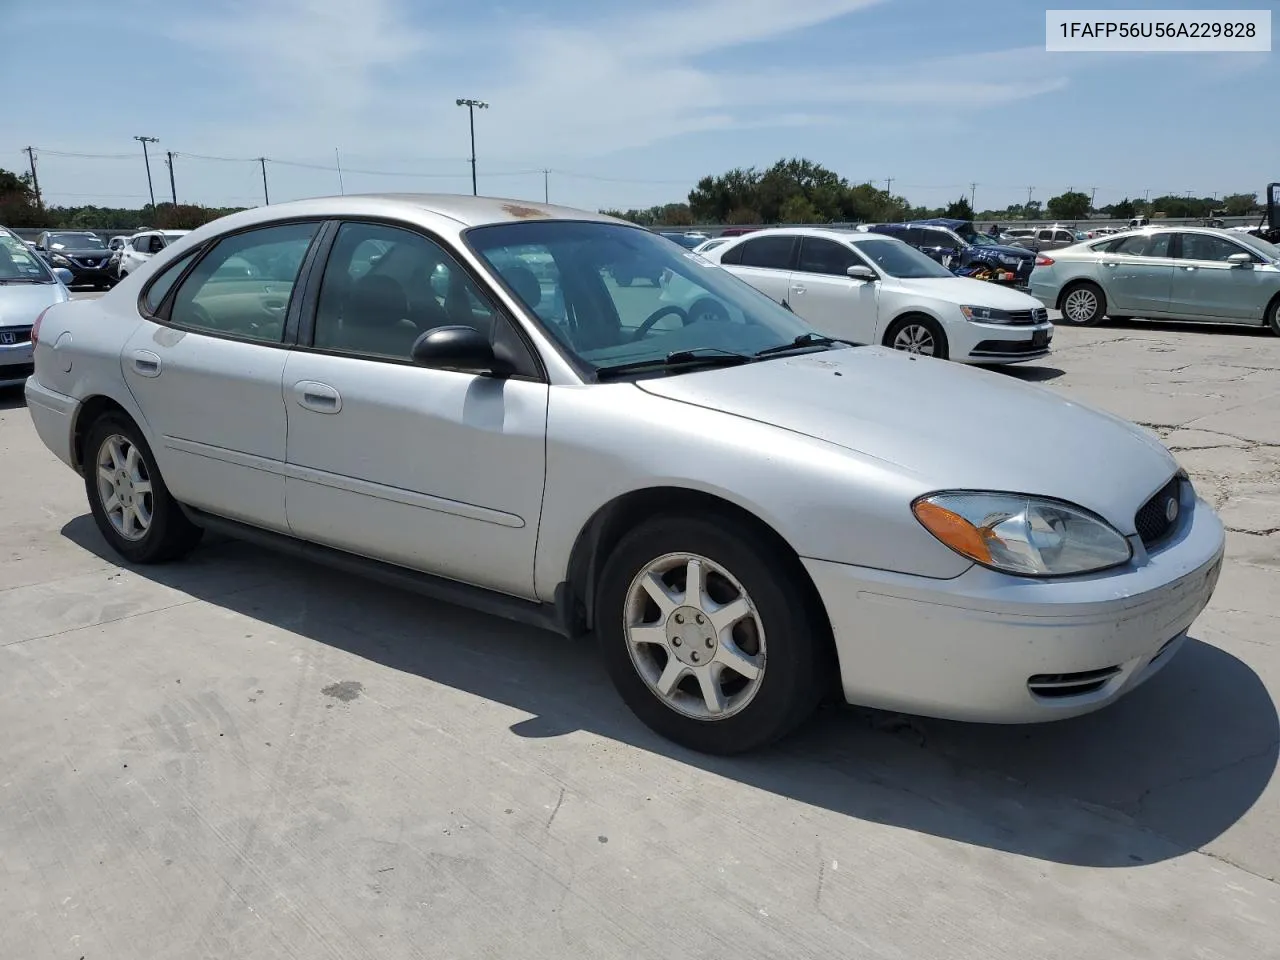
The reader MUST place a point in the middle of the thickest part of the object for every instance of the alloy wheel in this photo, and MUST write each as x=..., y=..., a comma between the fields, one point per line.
x=915, y=338
x=694, y=636
x=1080, y=305
x=124, y=487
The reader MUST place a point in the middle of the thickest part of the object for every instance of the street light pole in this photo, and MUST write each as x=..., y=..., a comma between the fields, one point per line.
x=471, y=106
x=147, y=160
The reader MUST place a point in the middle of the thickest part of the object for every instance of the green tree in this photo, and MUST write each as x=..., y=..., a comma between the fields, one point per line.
x=1123, y=210
x=1072, y=205
x=959, y=210
x=1240, y=204
x=18, y=200
x=715, y=198
x=798, y=209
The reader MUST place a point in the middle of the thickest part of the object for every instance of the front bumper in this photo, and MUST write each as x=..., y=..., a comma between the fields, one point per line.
x=1006, y=343
x=15, y=358
x=999, y=649
x=54, y=417
x=82, y=274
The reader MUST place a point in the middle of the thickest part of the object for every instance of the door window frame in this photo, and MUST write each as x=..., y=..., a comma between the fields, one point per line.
x=854, y=254
x=1175, y=249
x=319, y=257
x=792, y=254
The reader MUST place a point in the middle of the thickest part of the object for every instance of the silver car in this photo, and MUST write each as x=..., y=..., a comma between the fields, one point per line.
x=454, y=394
x=27, y=287
x=1165, y=273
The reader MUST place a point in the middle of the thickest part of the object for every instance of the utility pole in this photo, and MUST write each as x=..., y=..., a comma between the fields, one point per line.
x=147, y=160
x=173, y=191
x=546, y=186
x=1027, y=209
x=973, y=193
x=338, y=160
x=471, y=106
x=1092, y=197
x=888, y=185
x=35, y=181
x=266, y=199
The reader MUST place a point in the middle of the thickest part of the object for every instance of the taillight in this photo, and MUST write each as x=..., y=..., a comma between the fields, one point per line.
x=1043, y=261
x=35, y=327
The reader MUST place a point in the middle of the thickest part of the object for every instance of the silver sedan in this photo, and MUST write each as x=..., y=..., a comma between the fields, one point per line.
x=1168, y=273
x=455, y=394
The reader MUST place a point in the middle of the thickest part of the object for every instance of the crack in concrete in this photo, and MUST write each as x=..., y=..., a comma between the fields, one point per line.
x=1265, y=532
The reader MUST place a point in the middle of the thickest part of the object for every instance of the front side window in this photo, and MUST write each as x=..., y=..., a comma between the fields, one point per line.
x=563, y=273
x=826, y=256
x=1205, y=246
x=242, y=287
x=900, y=260
x=384, y=286
x=164, y=282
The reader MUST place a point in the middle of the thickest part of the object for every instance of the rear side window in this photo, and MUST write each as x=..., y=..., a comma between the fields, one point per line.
x=772, y=253
x=242, y=287
x=154, y=295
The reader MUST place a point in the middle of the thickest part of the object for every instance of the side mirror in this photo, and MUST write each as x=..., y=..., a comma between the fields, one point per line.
x=65, y=276
x=861, y=272
x=1240, y=260
x=460, y=348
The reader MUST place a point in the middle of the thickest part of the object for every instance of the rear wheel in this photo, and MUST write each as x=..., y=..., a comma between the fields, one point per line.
x=1083, y=305
x=128, y=498
x=708, y=634
x=917, y=334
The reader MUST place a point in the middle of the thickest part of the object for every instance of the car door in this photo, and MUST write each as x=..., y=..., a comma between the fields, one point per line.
x=1207, y=286
x=765, y=263
x=435, y=470
x=1137, y=274
x=939, y=244
x=823, y=294
x=206, y=367
x=133, y=255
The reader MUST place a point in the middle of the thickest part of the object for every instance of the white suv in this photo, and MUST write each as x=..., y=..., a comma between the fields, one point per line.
x=873, y=289
x=141, y=247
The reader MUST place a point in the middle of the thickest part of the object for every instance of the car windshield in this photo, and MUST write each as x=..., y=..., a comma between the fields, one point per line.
x=897, y=259
x=613, y=295
x=19, y=264
x=1264, y=247
x=75, y=241
x=977, y=239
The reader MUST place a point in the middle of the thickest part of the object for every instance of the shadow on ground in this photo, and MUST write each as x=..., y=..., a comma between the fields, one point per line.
x=11, y=398
x=1182, y=326
x=1029, y=374
x=1163, y=772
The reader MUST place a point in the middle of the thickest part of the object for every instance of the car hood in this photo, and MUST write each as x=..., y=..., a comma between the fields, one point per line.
x=951, y=426
x=966, y=290
x=21, y=303
x=90, y=253
x=1020, y=252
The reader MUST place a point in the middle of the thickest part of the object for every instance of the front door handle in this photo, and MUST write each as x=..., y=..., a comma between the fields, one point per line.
x=316, y=396
x=1106, y=263
x=145, y=363
x=1190, y=268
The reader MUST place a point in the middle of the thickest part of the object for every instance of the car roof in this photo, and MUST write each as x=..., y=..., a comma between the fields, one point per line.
x=840, y=236
x=468, y=211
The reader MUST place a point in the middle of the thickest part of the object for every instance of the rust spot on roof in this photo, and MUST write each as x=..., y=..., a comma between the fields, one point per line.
x=523, y=213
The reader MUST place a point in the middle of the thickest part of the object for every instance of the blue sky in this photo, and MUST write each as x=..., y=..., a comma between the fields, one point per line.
x=627, y=103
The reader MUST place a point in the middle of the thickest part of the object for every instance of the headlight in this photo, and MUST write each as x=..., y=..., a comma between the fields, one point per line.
x=1022, y=535
x=986, y=315
x=1009, y=261
x=60, y=260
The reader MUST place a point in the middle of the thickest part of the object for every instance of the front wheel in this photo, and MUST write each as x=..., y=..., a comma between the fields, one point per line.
x=1273, y=316
x=1084, y=305
x=917, y=334
x=128, y=498
x=708, y=635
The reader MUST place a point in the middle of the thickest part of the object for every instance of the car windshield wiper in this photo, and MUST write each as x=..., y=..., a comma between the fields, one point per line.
x=800, y=342
x=22, y=280
x=693, y=357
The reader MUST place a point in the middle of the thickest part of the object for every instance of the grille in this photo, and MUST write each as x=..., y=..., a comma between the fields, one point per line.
x=88, y=262
x=1009, y=348
x=17, y=371
x=12, y=335
x=1152, y=521
x=1029, y=317
x=1058, y=685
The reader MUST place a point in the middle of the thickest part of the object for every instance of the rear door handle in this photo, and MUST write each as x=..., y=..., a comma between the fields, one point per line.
x=1106, y=263
x=316, y=396
x=145, y=363
x=1190, y=268
x=797, y=289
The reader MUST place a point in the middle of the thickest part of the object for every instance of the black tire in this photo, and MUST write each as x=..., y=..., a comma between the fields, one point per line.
x=797, y=642
x=1273, y=316
x=1092, y=305
x=903, y=326
x=170, y=534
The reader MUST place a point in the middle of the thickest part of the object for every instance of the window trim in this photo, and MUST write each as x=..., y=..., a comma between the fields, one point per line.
x=164, y=314
x=310, y=299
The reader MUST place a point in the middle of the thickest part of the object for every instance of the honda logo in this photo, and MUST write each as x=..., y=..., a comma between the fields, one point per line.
x=7, y=337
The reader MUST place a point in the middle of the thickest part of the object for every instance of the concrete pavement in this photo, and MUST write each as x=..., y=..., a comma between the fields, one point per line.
x=244, y=756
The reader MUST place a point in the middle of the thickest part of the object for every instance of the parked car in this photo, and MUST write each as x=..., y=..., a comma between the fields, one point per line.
x=141, y=247
x=27, y=287
x=83, y=253
x=1164, y=273
x=873, y=289
x=711, y=244
x=1050, y=238
x=1011, y=234
x=744, y=512
x=957, y=245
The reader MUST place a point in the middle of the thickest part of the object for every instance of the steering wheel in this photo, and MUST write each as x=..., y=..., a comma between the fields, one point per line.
x=649, y=321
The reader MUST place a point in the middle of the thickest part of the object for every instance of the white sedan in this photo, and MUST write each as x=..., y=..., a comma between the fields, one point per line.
x=872, y=289
x=141, y=247
x=455, y=394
